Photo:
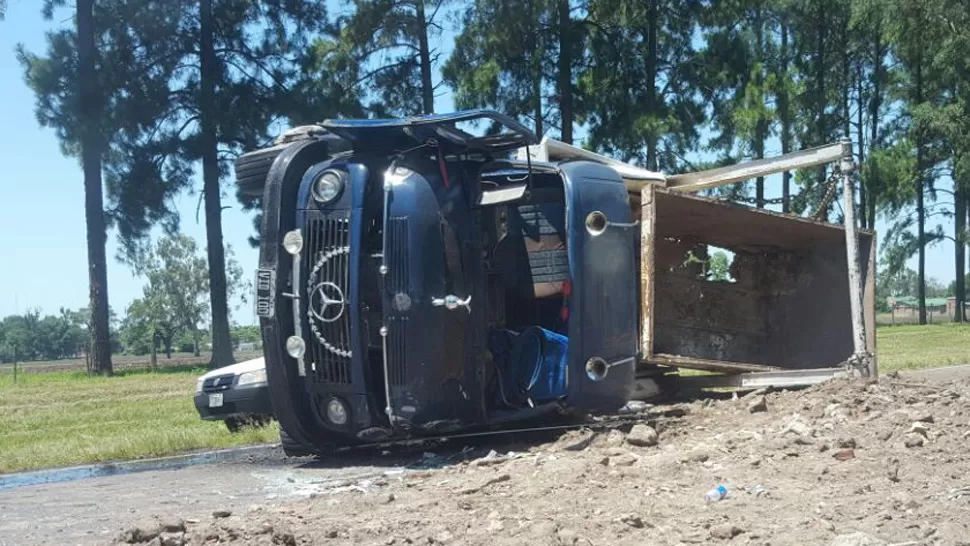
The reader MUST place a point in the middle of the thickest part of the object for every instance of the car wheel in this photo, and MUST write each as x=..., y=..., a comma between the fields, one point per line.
x=234, y=424
x=292, y=448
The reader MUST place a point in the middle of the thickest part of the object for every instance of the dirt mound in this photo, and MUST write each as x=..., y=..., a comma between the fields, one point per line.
x=844, y=463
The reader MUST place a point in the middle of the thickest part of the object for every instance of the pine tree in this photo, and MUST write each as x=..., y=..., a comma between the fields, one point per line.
x=493, y=66
x=914, y=46
x=78, y=118
x=737, y=61
x=188, y=83
x=639, y=84
x=390, y=49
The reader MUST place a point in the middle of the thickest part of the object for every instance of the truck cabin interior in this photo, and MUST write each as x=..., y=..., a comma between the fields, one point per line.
x=527, y=272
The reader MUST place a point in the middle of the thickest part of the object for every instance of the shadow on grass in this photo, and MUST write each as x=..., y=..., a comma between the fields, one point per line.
x=175, y=369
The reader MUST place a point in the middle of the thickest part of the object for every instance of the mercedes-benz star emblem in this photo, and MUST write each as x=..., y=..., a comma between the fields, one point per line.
x=327, y=302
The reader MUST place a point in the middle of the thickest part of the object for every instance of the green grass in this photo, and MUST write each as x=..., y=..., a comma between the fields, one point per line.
x=912, y=347
x=66, y=418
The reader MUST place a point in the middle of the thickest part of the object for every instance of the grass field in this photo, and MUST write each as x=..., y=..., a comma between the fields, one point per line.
x=65, y=418
x=916, y=347
x=123, y=362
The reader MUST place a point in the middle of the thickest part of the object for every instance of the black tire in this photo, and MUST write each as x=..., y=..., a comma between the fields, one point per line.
x=234, y=424
x=252, y=168
x=292, y=448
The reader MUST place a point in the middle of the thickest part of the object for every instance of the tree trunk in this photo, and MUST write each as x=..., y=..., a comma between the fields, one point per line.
x=535, y=47
x=920, y=208
x=153, y=360
x=860, y=131
x=651, y=83
x=761, y=129
x=427, y=89
x=820, y=126
x=959, y=225
x=91, y=148
x=565, y=72
x=195, y=344
x=875, y=104
x=221, y=343
x=784, y=107
x=846, y=81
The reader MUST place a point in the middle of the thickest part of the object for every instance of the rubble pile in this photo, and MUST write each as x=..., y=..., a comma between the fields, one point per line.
x=846, y=463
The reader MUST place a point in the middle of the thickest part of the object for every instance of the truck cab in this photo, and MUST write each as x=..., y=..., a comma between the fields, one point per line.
x=417, y=279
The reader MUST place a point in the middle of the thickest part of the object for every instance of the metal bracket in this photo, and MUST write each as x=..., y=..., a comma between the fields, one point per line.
x=452, y=302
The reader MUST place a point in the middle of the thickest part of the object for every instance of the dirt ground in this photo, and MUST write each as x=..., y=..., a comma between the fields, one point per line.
x=844, y=463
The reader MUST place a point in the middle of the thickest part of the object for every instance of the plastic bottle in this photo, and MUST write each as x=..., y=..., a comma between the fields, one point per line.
x=716, y=494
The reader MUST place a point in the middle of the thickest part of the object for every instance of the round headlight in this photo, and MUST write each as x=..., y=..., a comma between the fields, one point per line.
x=336, y=412
x=328, y=186
x=295, y=347
x=293, y=242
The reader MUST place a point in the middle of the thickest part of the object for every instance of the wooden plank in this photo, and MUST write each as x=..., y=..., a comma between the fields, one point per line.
x=648, y=218
x=748, y=170
x=707, y=365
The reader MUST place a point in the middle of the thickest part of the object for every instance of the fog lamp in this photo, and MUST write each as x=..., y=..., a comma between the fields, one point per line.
x=336, y=412
x=295, y=346
x=293, y=242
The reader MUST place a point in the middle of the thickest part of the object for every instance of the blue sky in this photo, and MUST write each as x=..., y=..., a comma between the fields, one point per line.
x=42, y=200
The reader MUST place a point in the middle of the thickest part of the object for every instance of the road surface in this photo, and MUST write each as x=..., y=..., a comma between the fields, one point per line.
x=96, y=510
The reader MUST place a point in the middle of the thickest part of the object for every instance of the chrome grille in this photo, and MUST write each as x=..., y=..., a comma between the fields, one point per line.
x=397, y=336
x=397, y=275
x=218, y=383
x=398, y=282
x=327, y=296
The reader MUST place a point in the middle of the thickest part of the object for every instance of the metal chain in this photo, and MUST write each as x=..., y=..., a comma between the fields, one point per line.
x=829, y=186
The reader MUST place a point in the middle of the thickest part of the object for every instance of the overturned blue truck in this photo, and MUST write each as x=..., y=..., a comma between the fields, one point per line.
x=427, y=276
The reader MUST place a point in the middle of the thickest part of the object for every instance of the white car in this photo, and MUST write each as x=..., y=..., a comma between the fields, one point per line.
x=237, y=394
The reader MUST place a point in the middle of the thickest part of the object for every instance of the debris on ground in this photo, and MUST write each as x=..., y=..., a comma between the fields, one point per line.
x=642, y=436
x=844, y=463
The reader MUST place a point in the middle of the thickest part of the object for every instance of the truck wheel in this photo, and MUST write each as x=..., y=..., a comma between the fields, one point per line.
x=252, y=168
x=291, y=448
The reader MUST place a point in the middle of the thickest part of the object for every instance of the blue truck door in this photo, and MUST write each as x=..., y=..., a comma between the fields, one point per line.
x=603, y=301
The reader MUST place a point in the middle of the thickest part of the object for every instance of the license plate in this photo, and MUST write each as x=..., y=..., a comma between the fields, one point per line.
x=215, y=400
x=265, y=292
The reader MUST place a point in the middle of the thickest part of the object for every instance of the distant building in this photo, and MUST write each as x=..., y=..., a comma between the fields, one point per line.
x=908, y=306
x=951, y=307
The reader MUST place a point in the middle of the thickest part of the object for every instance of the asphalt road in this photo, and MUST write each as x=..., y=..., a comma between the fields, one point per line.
x=95, y=510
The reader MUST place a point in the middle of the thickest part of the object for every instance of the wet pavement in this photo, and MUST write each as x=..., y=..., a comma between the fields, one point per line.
x=92, y=505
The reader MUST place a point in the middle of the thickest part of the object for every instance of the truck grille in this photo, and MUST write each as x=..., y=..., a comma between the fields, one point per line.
x=398, y=282
x=397, y=275
x=328, y=297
